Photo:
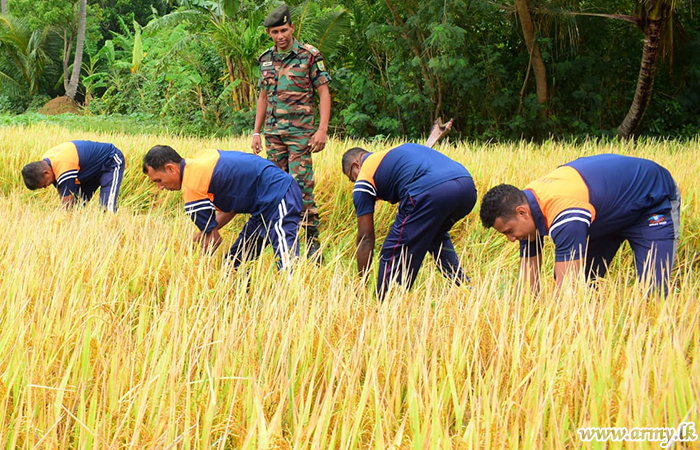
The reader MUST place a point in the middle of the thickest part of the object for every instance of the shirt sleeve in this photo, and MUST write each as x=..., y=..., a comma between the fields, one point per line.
x=319, y=71
x=569, y=231
x=66, y=178
x=364, y=196
x=201, y=210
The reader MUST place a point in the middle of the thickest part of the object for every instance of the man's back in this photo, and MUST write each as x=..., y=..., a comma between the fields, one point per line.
x=616, y=189
x=234, y=181
x=402, y=172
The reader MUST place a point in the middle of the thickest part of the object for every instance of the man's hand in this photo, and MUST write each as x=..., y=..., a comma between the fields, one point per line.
x=208, y=241
x=257, y=144
x=68, y=201
x=318, y=141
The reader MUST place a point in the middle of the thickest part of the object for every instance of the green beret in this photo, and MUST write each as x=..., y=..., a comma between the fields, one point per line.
x=278, y=17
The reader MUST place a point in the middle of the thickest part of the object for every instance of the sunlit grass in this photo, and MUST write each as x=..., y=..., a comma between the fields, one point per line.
x=117, y=333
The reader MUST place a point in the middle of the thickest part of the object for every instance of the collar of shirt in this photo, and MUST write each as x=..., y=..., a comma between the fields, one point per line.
x=366, y=156
x=182, y=169
x=537, y=215
x=293, y=50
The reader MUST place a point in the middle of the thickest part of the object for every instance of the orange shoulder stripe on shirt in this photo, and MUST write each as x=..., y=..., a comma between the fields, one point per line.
x=369, y=167
x=559, y=190
x=197, y=176
x=63, y=157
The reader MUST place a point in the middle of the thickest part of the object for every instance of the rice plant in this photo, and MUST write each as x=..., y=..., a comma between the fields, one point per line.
x=117, y=333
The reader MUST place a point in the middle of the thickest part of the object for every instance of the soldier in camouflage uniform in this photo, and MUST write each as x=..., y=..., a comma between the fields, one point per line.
x=290, y=71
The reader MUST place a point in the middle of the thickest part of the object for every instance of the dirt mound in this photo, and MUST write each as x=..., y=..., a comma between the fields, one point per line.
x=60, y=105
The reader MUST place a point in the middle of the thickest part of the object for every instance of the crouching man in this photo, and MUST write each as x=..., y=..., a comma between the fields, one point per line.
x=589, y=207
x=216, y=185
x=77, y=169
x=433, y=191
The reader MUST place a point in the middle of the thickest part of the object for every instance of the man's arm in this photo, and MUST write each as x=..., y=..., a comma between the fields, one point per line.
x=210, y=241
x=530, y=272
x=562, y=269
x=365, y=242
x=260, y=111
x=318, y=140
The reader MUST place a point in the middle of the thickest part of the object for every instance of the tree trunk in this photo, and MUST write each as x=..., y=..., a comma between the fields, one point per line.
x=645, y=81
x=79, y=44
x=3, y=7
x=67, y=50
x=535, y=57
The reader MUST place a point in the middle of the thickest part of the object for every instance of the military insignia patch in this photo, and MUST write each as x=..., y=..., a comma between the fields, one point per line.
x=266, y=64
x=321, y=66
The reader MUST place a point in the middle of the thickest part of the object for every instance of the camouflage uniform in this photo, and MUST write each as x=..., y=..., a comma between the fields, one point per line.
x=289, y=120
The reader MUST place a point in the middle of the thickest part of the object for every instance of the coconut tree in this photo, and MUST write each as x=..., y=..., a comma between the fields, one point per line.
x=536, y=61
x=72, y=88
x=24, y=56
x=657, y=21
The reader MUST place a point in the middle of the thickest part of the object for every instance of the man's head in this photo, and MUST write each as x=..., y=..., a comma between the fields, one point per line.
x=352, y=162
x=162, y=165
x=506, y=209
x=280, y=28
x=38, y=175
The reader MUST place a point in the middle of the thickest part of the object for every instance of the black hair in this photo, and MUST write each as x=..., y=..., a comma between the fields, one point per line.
x=33, y=174
x=500, y=202
x=350, y=155
x=158, y=156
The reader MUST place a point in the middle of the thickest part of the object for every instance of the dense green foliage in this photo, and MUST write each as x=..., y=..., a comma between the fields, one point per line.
x=396, y=66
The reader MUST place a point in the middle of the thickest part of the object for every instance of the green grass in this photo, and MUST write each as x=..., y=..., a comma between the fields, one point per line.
x=118, y=333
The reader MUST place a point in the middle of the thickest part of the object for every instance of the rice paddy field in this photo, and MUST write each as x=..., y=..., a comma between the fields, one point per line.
x=115, y=332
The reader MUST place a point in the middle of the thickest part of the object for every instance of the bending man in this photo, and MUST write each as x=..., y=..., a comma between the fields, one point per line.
x=77, y=169
x=589, y=207
x=433, y=191
x=216, y=185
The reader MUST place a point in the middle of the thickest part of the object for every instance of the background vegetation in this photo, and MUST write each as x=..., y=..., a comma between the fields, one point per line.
x=190, y=65
x=117, y=333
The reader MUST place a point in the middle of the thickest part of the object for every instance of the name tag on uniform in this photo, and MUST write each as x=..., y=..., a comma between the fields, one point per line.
x=266, y=64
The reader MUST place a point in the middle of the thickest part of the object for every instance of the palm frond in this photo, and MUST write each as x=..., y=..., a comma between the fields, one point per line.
x=175, y=18
x=332, y=26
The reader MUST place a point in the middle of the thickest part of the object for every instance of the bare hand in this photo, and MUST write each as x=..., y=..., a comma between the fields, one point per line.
x=209, y=241
x=318, y=141
x=257, y=144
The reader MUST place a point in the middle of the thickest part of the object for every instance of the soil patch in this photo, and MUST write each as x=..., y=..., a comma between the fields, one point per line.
x=60, y=105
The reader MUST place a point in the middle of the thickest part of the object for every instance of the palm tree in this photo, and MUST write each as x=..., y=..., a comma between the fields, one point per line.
x=654, y=18
x=536, y=61
x=3, y=7
x=72, y=88
x=24, y=56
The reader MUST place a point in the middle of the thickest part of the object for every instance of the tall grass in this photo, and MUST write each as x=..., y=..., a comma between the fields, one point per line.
x=116, y=333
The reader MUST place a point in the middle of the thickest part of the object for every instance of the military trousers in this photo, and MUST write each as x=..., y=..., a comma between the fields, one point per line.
x=292, y=154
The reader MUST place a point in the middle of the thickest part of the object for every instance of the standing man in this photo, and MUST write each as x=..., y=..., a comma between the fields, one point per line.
x=290, y=72
x=77, y=169
x=216, y=185
x=589, y=207
x=434, y=193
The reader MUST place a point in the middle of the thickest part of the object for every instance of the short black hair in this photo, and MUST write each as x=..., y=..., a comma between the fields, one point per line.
x=500, y=201
x=350, y=155
x=158, y=156
x=33, y=174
